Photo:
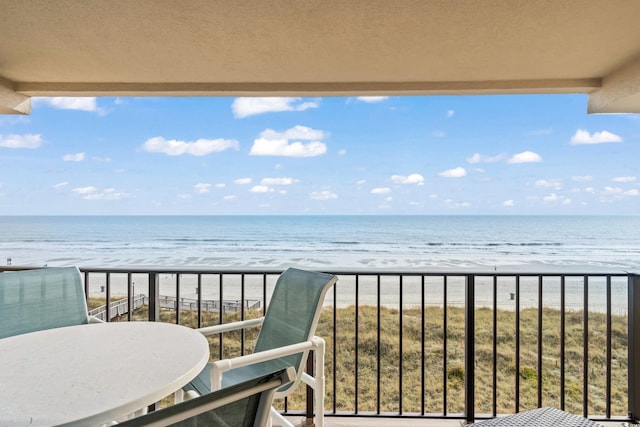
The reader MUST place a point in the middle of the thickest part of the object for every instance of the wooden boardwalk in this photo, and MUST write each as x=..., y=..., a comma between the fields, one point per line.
x=121, y=306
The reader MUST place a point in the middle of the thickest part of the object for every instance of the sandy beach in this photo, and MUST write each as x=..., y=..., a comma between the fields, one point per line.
x=389, y=294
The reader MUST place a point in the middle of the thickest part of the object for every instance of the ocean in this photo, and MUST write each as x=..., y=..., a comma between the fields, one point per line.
x=400, y=243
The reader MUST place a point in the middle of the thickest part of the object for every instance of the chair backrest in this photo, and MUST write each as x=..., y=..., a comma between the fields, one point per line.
x=294, y=311
x=34, y=300
x=242, y=405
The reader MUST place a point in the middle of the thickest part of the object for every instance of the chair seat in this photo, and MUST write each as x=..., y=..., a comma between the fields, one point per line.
x=243, y=405
x=202, y=383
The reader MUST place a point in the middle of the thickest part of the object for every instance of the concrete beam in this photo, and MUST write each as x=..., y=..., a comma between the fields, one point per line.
x=620, y=91
x=329, y=88
x=12, y=102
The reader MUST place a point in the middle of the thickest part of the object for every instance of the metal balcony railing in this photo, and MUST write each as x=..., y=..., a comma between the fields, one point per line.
x=428, y=344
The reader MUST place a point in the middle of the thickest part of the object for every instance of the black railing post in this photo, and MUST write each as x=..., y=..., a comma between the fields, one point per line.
x=469, y=348
x=154, y=297
x=310, y=364
x=154, y=313
x=634, y=346
x=108, y=297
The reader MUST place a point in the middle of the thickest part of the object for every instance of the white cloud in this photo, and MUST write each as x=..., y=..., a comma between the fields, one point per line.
x=508, y=203
x=221, y=185
x=458, y=172
x=229, y=197
x=342, y=152
x=202, y=188
x=438, y=134
x=361, y=182
x=372, y=99
x=245, y=107
x=620, y=191
x=451, y=203
x=69, y=103
x=60, y=185
x=584, y=137
x=525, y=157
x=476, y=158
x=184, y=196
x=85, y=190
x=21, y=141
x=624, y=179
x=200, y=147
x=78, y=157
x=414, y=178
x=450, y=113
x=272, y=143
x=612, y=191
x=383, y=190
x=296, y=132
x=107, y=194
x=242, y=181
x=585, y=178
x=609, y=194
x=278, y=181
x=91, y=193
x=323, y=195
x=262, y=189
x=549, y=183
x=482, y=158
x=553, y=197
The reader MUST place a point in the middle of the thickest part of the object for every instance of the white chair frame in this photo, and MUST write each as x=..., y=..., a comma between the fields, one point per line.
x=315, y=381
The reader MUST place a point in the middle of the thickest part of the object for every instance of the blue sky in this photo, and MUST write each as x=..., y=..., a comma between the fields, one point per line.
x=267, y=156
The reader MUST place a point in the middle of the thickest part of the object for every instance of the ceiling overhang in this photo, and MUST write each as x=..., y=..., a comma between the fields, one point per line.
x=320, y=48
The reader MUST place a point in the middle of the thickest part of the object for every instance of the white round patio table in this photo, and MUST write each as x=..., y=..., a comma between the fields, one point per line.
x=89, y=375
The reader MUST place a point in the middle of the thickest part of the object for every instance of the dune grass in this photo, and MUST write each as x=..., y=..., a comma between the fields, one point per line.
x=437, y=375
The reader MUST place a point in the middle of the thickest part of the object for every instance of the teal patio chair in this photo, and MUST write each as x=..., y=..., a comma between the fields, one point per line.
x=285, y=339
x=34, y=300
x=242, y=405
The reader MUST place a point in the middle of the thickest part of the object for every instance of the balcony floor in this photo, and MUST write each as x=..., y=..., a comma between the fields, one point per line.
x=405, y=422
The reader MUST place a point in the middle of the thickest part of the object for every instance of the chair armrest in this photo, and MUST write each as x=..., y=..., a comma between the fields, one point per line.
x=220, y=366
x=228, y=327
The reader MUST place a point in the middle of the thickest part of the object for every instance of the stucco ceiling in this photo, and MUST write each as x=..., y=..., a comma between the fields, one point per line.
x=320, y=48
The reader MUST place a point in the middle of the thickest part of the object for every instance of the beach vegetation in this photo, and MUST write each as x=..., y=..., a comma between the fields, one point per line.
x=388, y=366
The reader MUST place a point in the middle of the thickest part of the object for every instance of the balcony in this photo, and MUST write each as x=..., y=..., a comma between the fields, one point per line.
x=443, y=347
